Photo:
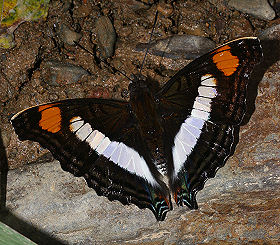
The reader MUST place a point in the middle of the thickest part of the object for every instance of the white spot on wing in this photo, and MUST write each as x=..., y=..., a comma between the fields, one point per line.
x=75, y=124
x=186, y=137
x=115, y=156
x=195, y=122
x=177, y=161
x=103, y=145
x=131, y=166
x=203, y=101
x=208, y=92
x=192, y=130
x=208, y=80
x=95, y=139
x=181, y=151
x=199, y=106
x=110, y=149
x=200, y=114
x=84, y=131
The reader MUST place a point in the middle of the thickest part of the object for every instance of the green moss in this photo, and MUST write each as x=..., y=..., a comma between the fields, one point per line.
x=15, y=12
x=7, y=40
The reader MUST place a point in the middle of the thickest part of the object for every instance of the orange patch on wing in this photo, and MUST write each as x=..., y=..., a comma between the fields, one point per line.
x=50, y=118
x=225, y=61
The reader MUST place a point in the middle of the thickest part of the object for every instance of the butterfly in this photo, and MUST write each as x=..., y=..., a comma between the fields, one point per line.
x=155, y=145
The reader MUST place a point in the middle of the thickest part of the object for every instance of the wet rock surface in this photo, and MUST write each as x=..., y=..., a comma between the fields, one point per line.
x=179, y=47
x=55, y=73
x=240, y=205
x=258, y=8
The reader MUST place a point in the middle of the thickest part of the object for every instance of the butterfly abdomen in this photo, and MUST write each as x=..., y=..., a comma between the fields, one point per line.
x=144, y=108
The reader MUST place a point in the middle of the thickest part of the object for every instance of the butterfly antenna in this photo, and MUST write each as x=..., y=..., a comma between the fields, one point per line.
x=147, y=50
x=104, y=62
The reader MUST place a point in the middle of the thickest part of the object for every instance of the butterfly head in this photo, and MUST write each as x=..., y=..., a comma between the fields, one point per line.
x=139, y=83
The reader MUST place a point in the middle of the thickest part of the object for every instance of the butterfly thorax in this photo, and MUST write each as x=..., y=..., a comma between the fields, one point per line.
x=144, y=109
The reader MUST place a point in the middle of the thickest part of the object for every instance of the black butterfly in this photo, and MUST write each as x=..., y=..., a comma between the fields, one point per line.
x=125, y=150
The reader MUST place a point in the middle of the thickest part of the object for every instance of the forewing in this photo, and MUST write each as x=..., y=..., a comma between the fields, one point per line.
x=201, y=106
x=97, y=139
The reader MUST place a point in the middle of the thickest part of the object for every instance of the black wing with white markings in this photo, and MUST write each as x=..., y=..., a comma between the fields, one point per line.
x=201, y=106
x=99, y=140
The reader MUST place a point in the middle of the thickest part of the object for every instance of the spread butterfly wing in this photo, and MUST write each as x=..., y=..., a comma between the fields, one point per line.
x=97, y=139
x=201, y=106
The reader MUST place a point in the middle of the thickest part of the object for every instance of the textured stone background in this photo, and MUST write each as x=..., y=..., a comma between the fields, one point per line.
x=240, y=205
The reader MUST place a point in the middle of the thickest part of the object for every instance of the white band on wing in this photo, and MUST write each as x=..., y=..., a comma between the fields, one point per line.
x=117, y=152
x=190, y=130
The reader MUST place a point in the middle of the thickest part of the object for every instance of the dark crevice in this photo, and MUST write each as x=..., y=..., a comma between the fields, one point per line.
x=71, y=7
x=36, y=64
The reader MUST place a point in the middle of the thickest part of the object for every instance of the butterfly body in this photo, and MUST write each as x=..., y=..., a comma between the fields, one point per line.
x=184, y=132
x=145, y=110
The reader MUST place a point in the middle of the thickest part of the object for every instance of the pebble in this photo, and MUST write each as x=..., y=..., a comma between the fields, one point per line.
x=106, y=36
x=56, y=73
x=67, y=35
x=179, y=47
x=257, y=8
x=270, y=33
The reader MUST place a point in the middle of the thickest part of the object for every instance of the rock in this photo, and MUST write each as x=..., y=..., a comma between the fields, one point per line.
x=258, y=8
x=179, y=47
x=272, y=32
x=56, y=73
x=67, y=35
x=106, y=36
